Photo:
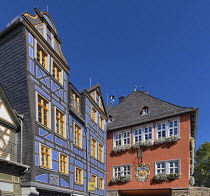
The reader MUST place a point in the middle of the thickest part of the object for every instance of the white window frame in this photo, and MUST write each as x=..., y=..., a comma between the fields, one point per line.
x=167, y=127
x=40, y=157
x=49, y=102
x=122, y=137
x=67, y=164
x=121, y=170
x=143, y=134
x=167, y=166
x=56, y=108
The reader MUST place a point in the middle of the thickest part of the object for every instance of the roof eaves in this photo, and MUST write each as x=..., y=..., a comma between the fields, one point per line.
x=148, y=119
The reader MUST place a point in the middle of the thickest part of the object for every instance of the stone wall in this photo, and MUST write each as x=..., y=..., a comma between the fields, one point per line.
x=192, y=191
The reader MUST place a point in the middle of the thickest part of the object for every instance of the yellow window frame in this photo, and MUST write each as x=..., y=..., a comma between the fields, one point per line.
x=93, y=147
x=77, y=135
x=78, y=175
x=60, y=123
x=94, y=180
x=101, y=183
x=100, y=152
x=43, y=111
x=63, y=163
x=57, y=72
x=93, y=114
x=45, y=157
x=42, y=57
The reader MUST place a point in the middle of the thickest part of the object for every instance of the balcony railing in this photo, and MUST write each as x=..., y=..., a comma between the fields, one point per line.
x=8, y=150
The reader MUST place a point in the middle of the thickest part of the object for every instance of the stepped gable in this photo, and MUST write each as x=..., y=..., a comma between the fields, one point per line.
x=128, y=111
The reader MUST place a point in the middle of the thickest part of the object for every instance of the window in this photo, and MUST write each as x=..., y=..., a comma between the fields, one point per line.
x=48, y=36
x=93, y=148
x=75, y=101
x=101, y=122
x=45, y=156
x=42, y=57
x=43, y=111
x=121, y=138
x=123, y=170
x=40, y=28
x=101, y=183
x=142, y=134
x=78, y=175
x=94, y=114
x=144, y=111
x=57, y=72
x=167, y=128
x=167, y=167
x=100, y=152
x=63, y=163
x=60, y=123
x=93, y=179
x=77, y=135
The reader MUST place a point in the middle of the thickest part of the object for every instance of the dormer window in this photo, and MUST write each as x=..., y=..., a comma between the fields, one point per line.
x=144, y=111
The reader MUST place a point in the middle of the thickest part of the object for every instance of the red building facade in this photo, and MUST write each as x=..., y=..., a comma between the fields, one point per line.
x=150, y=146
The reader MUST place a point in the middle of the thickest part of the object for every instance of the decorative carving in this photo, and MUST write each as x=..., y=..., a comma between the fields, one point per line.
x=142, y=172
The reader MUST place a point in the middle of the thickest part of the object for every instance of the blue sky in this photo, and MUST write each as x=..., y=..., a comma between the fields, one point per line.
x=161, y=45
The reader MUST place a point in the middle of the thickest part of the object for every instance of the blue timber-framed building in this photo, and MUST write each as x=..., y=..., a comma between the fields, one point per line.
x=64, y=130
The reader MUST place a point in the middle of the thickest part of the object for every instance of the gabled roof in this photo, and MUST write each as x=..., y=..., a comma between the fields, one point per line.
x=97, y=89
x=128, y=111
x=8, y=117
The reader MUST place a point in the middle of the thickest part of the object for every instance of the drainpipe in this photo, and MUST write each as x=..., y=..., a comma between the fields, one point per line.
x=21, y=137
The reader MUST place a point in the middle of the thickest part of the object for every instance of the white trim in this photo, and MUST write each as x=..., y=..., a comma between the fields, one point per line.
x=167, y=131
x=167, y=162
x=143, y=133
x=122, y=140
x=121, y=169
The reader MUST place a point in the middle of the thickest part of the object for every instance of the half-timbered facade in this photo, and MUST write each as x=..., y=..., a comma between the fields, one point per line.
x=11, y=167
x=55, y=133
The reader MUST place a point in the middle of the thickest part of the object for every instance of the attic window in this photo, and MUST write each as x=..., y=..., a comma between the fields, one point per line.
x=144, y=111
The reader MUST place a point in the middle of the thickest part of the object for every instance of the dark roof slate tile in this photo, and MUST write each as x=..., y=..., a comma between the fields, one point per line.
x=128, y=111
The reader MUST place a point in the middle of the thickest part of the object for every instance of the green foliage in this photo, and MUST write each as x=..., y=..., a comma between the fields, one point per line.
x=202, y=165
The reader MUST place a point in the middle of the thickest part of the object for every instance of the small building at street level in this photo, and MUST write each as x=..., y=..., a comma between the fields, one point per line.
x=150, y=146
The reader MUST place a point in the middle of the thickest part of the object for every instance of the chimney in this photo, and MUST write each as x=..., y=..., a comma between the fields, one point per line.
x=121, y=99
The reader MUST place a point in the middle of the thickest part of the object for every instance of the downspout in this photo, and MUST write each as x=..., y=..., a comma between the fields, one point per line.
x=21, y=138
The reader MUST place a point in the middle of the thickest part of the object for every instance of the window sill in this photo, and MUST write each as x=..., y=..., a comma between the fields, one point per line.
x=43, y=126
x=42, y=66
x=78, y=147
x=48, y=169
x=60, y=136
x=63, y=174
x=57, y=82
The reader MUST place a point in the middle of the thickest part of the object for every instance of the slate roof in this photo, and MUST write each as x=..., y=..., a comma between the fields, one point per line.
x=127, y=112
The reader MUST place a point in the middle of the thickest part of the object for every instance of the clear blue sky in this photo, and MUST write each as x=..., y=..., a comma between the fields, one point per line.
x=159, y=44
